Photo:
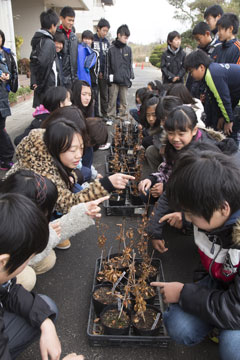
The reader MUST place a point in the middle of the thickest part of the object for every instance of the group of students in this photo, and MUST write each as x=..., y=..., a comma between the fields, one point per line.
x=191, y=144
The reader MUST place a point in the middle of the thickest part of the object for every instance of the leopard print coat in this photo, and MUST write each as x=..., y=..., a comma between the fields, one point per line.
x=32, y=154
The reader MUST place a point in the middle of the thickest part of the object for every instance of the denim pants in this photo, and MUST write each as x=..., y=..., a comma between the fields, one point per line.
x=20, y=333
x=6, y=146
x=188, y=329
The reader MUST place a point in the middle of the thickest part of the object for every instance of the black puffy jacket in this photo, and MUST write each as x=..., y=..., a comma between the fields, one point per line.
x=120, y=63
x=69, y=58
x=42, y=58
x=172, y=64
x=15, y=299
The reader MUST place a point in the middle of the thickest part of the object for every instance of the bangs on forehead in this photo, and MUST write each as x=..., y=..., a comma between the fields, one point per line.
x=178, y=120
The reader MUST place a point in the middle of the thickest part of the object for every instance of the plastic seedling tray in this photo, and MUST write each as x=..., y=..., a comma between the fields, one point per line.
x=95, y=332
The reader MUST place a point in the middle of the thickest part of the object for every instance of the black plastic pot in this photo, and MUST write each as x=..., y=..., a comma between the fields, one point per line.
x=98, y=305
x=114, y=331
x=151, y=277
x=148, y=332
x=149, y=301
x=117, y=199
x=135, y=199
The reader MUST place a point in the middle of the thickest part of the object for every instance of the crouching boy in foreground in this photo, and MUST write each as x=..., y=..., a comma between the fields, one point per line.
x=24, y=316
x=206, y=186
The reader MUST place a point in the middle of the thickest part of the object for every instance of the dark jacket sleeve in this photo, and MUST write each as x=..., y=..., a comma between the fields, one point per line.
x=14, y=298
x=164, y=68
x=182, y=69
x=217, y=83
x=154, y=229
x=217, y=307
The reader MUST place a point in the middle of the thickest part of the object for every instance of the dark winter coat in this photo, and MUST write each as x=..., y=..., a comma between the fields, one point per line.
x=101, y=46
x=12, y=84
x=42, y=58
x=69, y=59
x=120, y=63
x=227, y=52
x=172, y=65
x=15, y=299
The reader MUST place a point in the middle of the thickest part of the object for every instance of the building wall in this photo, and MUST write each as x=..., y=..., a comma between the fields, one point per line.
x=26, y=21
x=7, y=24
x=87, y=20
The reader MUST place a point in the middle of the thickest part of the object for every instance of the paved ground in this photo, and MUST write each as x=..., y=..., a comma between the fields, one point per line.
x=70, y=282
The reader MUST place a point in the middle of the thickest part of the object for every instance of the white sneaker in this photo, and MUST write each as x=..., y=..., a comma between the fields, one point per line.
x=109, y=122
x=104, y=147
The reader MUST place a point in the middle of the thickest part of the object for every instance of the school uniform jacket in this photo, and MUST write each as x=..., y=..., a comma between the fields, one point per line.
x=223, y=83
x=172, y=64
x=227, y=52
x=14, y=298
x=32, y=154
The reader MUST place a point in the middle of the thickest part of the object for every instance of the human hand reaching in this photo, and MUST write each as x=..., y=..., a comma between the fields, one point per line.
x=93, y=210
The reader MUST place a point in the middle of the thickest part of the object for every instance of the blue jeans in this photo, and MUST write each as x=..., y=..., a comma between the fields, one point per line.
x=188, y=329
x=20, y=333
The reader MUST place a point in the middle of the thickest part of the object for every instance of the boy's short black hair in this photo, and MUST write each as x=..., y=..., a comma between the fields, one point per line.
x=87, y=34
x=213, y=10
x=201, y=28
x=172, y=35
x=59, y=37
x=67, y=11
x=53, y=97
x=48, y=18
x=23, y=229
x=196, y=58
x=123, y=30
x=202, y=181
x=3, y=37
x=228, y=20
x=103, y=23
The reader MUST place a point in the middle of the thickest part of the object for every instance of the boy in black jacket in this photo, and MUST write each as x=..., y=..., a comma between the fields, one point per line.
x=120, y=72
x=205, y=185
x=173, y=59
x=24, y=316
x=43, y=65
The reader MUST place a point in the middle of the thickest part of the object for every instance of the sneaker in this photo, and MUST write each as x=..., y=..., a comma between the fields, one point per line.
x=5, y=165
x=104, y=147
x=64, y=245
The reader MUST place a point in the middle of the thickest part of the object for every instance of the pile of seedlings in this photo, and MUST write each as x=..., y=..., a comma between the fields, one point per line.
x=123, y=297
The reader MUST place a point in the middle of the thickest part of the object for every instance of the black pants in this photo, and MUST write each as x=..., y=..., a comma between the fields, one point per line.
x=6, y=145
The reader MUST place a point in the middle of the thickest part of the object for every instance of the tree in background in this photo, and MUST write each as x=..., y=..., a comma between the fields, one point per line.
x=156, y=55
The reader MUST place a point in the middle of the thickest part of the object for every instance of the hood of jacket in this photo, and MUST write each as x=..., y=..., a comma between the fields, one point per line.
x=40, y=34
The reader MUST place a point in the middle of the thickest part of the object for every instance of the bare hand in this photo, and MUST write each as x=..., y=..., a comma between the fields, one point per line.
x=73, y=356
x=93, y=210
x=144, y=185
x=5, y=77
x=220, y=123
x=57, y=228
x=170, y=291
x=159, y=245
x=49, y=342
x=173, y=219
x=119, y=181
x=34, y=86
x=99, y=176
x=140, y=127
x=176, y=78
x=227, y=129
x=157, y=190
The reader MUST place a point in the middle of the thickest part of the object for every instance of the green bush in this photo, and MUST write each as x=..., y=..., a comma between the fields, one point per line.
x=156, y=55
x=22, y=90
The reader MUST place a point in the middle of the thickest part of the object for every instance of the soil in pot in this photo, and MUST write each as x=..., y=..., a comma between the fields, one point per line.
x=117, y=199
x=103, y=296
x=152, y=323
x=112, y=324
x=148, y=293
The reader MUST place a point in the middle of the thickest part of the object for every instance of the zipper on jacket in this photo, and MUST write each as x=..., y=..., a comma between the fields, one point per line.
x=212, y=252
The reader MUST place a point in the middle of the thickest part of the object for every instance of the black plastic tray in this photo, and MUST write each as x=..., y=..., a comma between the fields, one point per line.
x=126, y=210
x=95, y=339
